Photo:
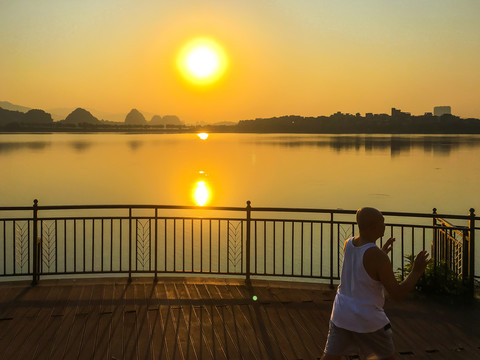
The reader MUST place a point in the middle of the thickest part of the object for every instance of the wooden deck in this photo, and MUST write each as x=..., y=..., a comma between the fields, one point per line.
x=186, y=318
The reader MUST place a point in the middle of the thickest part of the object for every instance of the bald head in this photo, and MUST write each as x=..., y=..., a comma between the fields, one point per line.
x=369, y=219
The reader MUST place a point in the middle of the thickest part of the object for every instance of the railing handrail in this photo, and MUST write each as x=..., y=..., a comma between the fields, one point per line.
x=231, y=208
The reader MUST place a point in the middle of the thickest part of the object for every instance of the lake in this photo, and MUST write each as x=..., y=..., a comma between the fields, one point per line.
x=393, y=173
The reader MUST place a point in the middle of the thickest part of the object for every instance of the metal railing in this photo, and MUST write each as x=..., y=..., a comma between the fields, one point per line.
x=246, y=241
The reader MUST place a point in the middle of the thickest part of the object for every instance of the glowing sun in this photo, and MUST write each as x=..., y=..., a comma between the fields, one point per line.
x=202, y=61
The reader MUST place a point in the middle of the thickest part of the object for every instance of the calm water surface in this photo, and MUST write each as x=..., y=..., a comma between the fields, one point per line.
x=393, y=173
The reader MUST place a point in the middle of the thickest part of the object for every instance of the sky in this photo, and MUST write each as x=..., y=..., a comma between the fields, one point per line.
x=300, y=57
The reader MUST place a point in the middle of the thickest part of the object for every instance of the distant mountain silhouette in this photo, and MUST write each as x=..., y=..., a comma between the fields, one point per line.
x=135, y=117
x=165, y=120
x=9, y=106
x=10, y=117
x=61, y=113
x=36, y=116
x=32, y=117
x=80, y=116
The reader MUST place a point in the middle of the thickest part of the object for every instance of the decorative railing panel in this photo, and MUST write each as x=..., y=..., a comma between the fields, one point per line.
x=22, y=249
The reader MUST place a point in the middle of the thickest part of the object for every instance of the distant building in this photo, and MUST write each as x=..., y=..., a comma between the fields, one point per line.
x=399, y=114
x=442, y=110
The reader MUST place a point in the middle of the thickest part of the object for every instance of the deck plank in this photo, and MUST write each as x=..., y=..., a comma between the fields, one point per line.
x=34, y=329
x=103, y=332
x=220, y=326
x=250, y=327
x=115, y=349
x=143, y=329
x=130, y=324
x=87, y=347
x=243, y=340
x=255, y=313
x=17, y=310
x=74, y=341
x=61, y=338
x=205, y=341
x=157, y=324
x=189, y=318
x=240, y=327
x=171, y=331
x=45, y=343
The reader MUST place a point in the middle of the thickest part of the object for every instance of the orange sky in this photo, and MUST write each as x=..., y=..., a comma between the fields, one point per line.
x=285, y=57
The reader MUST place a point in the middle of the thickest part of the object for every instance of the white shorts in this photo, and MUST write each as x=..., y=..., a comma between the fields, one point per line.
x=376, y=345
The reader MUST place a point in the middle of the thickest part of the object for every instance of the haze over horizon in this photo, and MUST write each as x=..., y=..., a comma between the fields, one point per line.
x=306, y=58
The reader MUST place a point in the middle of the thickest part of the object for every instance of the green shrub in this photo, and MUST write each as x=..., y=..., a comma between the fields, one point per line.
x=438, y=279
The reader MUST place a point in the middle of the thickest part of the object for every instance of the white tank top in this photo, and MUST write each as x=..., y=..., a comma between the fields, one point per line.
x=358, y=305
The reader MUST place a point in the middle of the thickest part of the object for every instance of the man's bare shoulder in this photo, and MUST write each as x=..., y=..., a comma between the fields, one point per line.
x=374, y=261
x=375, y=254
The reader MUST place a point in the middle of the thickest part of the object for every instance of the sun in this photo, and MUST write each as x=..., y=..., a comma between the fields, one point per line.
x=202, y=61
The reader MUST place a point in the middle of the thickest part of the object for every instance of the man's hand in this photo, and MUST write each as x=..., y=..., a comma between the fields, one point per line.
x=388, y=246
x=421, y=261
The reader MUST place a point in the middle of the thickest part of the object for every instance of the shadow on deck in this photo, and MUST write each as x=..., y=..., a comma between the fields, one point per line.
x=191, y=318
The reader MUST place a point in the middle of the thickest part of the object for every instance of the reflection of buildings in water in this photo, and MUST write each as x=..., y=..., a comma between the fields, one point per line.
x=400, y=145
x=377, y=144
x=7, y=147
x=397, y=144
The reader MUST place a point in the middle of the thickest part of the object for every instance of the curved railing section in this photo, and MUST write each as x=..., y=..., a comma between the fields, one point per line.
x=284, y=243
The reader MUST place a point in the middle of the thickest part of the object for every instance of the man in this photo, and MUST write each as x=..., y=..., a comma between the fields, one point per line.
x=358, y=322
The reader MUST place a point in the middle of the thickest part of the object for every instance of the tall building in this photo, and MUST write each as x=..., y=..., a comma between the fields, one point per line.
x=442, y=110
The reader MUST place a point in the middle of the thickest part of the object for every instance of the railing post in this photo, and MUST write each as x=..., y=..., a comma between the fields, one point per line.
x=249, y=214
x=129, y=244
x=35, y=243
x=434, y=246
x=156, y=243
x=331, y=250
x=471, y=250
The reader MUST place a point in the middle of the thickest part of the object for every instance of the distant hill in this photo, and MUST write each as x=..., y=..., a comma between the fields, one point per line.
x=61, y=113
x=80, y=116
x=135, y=117
x=36, y=116
x=10, y=116
x=9, y=106
x=31, y=117
x=106, y=117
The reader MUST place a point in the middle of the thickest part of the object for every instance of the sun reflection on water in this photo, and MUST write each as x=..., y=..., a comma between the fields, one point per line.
x=203, y=136
x=201, y=193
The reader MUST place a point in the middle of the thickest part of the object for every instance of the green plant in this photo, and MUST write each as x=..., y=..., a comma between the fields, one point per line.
x=438, y=279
